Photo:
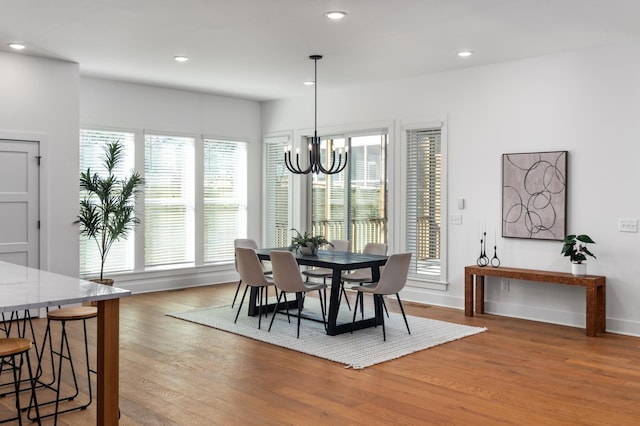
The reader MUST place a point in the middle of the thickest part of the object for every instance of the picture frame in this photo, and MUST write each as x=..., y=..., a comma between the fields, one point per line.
x=534, y=195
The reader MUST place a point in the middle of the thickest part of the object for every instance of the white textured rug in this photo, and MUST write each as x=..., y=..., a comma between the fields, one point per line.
x=361, y=349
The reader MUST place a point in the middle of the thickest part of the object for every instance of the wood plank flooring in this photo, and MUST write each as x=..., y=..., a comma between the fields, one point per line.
x=173, y=372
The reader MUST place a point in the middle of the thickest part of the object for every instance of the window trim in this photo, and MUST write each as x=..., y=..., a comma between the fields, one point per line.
x=403, y=127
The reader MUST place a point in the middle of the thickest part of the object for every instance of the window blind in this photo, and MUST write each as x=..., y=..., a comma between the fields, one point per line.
x=352, y=204
x=92, y=144
x=276, y=193
x=169, y=200
x=225, y=197
x=424, y=201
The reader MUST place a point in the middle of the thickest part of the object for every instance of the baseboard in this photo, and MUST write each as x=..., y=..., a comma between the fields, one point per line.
x=527, y=312
x=146, y=283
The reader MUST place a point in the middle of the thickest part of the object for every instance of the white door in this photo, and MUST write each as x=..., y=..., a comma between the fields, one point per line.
x=19, y=207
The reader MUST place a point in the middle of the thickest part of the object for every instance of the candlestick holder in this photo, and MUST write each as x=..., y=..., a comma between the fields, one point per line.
x=483, y=260
x=495, y=260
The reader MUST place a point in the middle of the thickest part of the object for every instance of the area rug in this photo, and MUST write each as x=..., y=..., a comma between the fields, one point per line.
x=357, y=350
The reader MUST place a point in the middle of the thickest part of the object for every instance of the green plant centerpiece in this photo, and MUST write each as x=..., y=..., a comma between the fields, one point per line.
x=575, y=247
x=306, y=243
x=107, y=208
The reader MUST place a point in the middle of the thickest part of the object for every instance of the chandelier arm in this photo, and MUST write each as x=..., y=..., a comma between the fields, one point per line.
x=333, y=161
x=305, y=171
x=287, y=162
x=346, y=161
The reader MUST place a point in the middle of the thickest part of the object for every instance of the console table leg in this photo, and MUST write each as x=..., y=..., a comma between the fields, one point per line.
x=480, y=294
x=601, y=325
x=468, y=295
x=592, y=310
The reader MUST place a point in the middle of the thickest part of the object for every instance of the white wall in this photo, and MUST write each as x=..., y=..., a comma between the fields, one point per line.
x=140, y=108
x=585, y=102
x=39, y=99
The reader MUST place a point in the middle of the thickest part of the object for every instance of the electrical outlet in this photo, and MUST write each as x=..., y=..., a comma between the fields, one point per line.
x=505, y=285
x=455, y=219
x=628, y=225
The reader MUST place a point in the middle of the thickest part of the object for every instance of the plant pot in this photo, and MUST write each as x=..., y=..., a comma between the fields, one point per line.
x=579, y=269
x=309, y=250
x=104, y=281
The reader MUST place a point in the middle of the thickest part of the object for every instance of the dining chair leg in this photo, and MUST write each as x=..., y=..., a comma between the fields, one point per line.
x=384, y=305
x=235, y=296
x=300, y=299
x=266, y=301
x=377, y=300
x=275, y=311
x=346, y=299
x=260, y=294
x=355, y=309
x=403, y=315
x=241, y=302
x=322, y=306
x=287, y=305
x=343, y=292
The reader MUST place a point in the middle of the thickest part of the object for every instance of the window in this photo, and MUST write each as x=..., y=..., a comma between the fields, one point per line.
x=424, y=201
x=169, y=200
x=276, y=189
x=353, y=209
x=225, y=197
x=92, y=144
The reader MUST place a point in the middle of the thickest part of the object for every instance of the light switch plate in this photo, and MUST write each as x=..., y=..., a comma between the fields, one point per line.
x=628, y=225
x=455, y=219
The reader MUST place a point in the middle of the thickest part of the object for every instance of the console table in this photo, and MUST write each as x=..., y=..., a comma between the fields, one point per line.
x=595, y=288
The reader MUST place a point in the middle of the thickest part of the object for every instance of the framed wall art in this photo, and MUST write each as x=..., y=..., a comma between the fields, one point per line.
x=534, y=195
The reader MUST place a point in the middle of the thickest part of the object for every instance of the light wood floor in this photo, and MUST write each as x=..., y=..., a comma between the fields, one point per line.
x=173, y=372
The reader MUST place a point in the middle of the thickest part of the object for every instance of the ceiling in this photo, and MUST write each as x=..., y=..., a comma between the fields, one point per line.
x=259, y=49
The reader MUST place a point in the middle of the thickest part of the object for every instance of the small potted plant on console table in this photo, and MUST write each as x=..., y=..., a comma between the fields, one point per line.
x=575, y=246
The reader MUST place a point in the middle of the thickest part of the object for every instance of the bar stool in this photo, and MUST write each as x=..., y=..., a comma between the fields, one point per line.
x=7, y=327
x=64, y=315
x=12, y=347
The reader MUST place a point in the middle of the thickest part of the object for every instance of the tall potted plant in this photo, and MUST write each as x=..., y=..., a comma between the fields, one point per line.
x=107, y=207
x=575, y=247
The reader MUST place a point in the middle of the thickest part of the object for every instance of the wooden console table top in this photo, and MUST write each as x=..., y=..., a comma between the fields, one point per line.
x=595, y=286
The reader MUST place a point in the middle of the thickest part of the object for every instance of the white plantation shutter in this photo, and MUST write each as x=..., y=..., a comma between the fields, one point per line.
x=276, y=202
x=169, y=200
x=424, y=201
x=92, y=144
x=225, y=197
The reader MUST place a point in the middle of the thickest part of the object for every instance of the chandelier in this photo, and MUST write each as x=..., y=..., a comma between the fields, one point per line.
x=315, y=162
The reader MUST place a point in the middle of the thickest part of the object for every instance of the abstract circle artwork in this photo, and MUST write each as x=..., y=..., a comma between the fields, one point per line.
x=534, y=195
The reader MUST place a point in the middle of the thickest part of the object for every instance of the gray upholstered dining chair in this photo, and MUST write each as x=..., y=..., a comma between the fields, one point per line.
x=363, y=275
x=252, y=275
x=247, y=243
x=324, y=273
x=287, y=278
x=392, y=281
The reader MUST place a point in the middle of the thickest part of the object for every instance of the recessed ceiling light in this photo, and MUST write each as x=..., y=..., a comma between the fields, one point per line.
x=335, y=15
x=16, y=46
x=465, y=53
x=180, y=58
x=308, y=83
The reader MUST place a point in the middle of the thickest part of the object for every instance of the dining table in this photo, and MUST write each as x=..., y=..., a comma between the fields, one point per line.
x=24, y=288
x=338, y=262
